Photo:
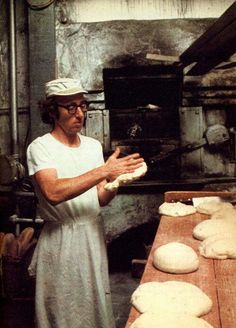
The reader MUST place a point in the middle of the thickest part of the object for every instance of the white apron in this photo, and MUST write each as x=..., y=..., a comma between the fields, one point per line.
x=70, y=260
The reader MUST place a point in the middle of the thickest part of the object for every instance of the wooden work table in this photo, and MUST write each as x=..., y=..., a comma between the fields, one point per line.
x=217, y=278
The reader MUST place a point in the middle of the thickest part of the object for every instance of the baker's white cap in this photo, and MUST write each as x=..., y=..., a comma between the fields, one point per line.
x=63, y=87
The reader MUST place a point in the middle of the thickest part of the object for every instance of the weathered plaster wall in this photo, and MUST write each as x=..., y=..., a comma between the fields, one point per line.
x=129, y=211
x=85, y=53
x=90, y=40
x=84, y=49
x=105, y=10
x=91, y=35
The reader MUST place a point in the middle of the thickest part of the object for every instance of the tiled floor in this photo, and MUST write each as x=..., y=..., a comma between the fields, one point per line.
x=122, y=286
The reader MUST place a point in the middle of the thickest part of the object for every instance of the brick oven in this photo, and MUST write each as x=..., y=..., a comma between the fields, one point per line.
x=179, y=113
x=143, y=104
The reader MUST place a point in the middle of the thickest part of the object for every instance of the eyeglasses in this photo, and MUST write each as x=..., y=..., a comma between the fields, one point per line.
x=72, y=108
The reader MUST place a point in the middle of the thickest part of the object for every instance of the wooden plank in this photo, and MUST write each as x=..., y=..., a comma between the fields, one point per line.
x=224, y=269
x=188, y=195
x=214, y=80
x=180, y=229
x=214, y=277
x=199, y=46
x=222, y=94
x=213, y=57
x=226, y=288
x=163, y=57
x=226, y=65
x=206, y=52
x=195, y=102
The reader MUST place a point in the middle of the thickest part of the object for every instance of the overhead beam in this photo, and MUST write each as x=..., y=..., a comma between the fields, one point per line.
x=217, y=44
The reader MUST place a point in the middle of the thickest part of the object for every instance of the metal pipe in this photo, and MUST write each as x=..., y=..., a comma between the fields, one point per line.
x=15, y=219
x=13, y=86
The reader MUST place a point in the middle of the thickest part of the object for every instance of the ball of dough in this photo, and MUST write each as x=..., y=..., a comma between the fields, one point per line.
x=169, y=320
x=175, y=257
x=210, y=227
x=126, y=178
x=211, y=206
x=220, y=246
x=225, y=214
x=171, y=296
x=176, y=209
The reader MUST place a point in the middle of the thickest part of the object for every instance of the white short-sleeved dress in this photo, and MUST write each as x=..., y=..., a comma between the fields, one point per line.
x=70, y=259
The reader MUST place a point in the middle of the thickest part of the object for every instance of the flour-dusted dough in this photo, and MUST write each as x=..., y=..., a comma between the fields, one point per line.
x=176, y=209
x=126, y=178
x=220, y=246
x=225, y=214
x=172, y=296
x=175, y=257
x=169, y=320
x=210, y=227
x=211, y=206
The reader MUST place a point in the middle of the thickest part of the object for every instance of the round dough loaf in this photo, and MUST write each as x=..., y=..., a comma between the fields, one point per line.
x=219, y=246
x=175, y=257
x=222, y=214
x=210, y=227
x=211, y=206
x=176, y=209
x=169, y=320
x=171, y=296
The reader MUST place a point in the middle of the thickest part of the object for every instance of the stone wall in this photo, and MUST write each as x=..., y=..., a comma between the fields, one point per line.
x=83, y=49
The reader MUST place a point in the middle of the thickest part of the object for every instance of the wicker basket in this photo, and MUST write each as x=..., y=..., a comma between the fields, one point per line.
x=15, y=279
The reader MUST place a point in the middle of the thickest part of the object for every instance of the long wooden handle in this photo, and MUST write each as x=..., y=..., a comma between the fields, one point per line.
x=171, y=196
